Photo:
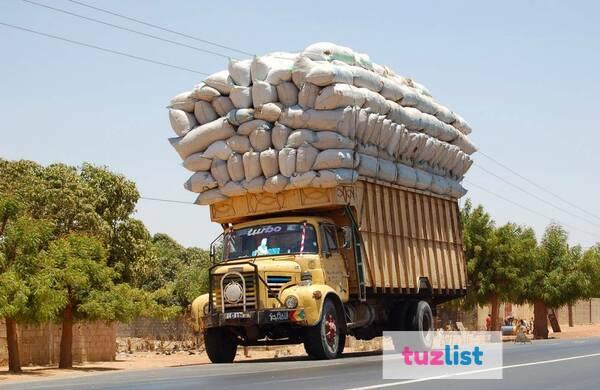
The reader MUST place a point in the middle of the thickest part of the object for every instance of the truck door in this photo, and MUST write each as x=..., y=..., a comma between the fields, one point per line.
x=333, y=263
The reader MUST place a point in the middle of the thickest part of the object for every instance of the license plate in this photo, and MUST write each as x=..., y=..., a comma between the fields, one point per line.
x=236, y=315
x=275, y=316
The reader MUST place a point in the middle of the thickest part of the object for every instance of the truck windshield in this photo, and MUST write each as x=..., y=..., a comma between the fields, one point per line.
x=272, y=239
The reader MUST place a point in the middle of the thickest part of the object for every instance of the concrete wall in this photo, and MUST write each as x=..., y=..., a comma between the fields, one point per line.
x=584, y=312
x=178, y=329
x=40, y=344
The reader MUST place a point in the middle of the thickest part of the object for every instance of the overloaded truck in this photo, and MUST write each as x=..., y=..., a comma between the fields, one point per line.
x=313, y=265
x=336, y=183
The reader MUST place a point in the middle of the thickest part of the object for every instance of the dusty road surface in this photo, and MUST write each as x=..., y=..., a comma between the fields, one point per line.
x=550, y=364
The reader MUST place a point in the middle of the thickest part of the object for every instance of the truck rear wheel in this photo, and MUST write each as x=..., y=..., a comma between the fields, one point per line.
x=220, y=344
x=421, y=320
x=324, y=340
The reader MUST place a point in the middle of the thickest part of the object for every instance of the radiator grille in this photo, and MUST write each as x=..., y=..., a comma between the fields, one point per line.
x=275, y=282
x=239, y=306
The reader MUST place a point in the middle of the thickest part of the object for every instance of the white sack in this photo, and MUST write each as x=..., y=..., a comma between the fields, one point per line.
x=252, y=165
x=308, y=95
x=239, y=71
x=200, y=182
x=247, y=128
x=218, y=150
x=306, y=155
x=345, y=176
x=237, y=116
x=465, y=144
x=260, y=139
x=263, y=93
x=254, y=186
x=302, y=180
x=235, y=167
x=287, y=161
x=325, y=179
x=241, y=97
x=339, y=95
x=199, y=138
x=181, y=121
x=233, y=188
x=269, y=162
x=218, y=170
x=424, y=179
x=204, y=92
x=387, y=171
x=197, y=162
x=239, y=144
x=220, y=81
x=273, y=68
x=368, y=165
x=299, y=137
x=332, y=140
x=276, y=184
x=204, y=112
x=184, y=101
x=406, y=176
x=210, y=197
x=222, y=105
x=279, y=135
x=287, y=92
x=440, y=185
x=363, y=78
x=322, y=74
x=269, y=112
x=335, y=158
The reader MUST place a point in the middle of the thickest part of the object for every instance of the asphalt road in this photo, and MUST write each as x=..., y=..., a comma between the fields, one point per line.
x=551, y=364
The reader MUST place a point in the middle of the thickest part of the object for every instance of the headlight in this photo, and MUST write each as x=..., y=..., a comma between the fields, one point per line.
x=205, y=308
x=291, y=302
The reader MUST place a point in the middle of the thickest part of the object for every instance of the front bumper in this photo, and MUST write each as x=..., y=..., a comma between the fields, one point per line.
x=257, y=317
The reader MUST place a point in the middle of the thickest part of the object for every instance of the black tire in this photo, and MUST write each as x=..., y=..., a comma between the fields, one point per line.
x=342, y=344
x=220, y=344
x=398, y=322
x=323, y=341
x=421, y=320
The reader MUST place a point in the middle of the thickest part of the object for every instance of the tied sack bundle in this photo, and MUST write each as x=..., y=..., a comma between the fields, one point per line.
x=319, y=118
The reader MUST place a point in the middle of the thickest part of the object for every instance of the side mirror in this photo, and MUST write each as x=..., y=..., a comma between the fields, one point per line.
x=347, y=230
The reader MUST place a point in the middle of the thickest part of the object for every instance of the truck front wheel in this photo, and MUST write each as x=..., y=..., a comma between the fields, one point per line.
x=324, y=340
x=220, y=344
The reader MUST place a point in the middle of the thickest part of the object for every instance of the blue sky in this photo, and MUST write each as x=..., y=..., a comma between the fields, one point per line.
x=523, y=73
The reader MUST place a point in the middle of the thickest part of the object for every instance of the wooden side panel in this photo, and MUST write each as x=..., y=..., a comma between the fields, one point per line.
x=409, y=235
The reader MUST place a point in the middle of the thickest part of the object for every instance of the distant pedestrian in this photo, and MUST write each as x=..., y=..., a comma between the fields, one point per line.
x=488, y=322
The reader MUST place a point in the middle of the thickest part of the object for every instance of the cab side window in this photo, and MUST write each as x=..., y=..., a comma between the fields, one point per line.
x=329, y=238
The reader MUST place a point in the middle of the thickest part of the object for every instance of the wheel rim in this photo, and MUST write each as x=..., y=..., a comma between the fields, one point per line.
x=331, y=333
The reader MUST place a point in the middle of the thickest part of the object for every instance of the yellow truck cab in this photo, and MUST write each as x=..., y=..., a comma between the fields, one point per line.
x=314, y=265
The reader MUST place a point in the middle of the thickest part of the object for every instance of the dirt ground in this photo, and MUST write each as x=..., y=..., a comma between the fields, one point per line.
x=136, y=360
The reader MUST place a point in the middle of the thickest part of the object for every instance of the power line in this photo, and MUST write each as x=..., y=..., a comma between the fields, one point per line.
x=535, y=196
x=166, y=200
x=160, y=27
x=527, y=208
x=539, y=186
x=102, y=49
x=125, y=28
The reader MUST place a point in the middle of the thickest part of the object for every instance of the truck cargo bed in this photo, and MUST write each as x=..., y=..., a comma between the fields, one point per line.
x=407, y=234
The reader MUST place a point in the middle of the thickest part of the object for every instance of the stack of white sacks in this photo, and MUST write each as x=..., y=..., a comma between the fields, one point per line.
x=319, y=118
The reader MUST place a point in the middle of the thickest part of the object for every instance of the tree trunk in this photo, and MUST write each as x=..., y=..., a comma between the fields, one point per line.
x=12, y=341
x=540, y=320
x=570, y=311
x=66, y=340
x=495, y=313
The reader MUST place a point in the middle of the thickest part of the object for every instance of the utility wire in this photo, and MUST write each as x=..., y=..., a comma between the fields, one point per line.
x=102, y=49
x=165, y=200
x=527, y=208
x=160, y=27
x=535, y=196
x=538, y=186
x=125, y=29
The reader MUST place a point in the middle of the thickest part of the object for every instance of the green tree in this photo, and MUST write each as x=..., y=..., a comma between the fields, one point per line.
x=496, y=259
x=86, y=284
x=555, y=277
x=25, y=295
